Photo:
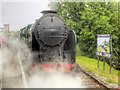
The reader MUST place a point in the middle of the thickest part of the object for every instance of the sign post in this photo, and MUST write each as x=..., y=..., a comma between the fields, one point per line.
x=103, y=64
x=110, y=66
x=104, y=48
x=110, y=60
x=98, y=63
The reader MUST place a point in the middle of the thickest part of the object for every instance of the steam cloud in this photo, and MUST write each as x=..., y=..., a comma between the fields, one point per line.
x=54, y=80
x=11, y=71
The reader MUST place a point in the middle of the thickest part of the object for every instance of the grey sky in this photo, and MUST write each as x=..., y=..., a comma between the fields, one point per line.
x=19, y=14
x=0, y=15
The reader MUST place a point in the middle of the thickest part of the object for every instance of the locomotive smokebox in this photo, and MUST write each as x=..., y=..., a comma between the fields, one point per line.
x=50, y=30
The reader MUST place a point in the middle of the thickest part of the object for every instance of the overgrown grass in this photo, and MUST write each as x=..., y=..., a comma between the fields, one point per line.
x=90, y=65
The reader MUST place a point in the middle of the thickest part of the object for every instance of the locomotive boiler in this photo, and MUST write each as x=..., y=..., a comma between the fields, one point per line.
x=52, y=41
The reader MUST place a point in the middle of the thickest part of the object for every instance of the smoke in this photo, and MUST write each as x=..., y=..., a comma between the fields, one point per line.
x=15, y=51
x=54, y=80
x=11, y=70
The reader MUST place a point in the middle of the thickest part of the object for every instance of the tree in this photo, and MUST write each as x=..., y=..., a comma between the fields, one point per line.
x=88, y=19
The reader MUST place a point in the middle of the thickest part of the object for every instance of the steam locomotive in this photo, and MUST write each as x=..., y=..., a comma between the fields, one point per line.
x=52, y=42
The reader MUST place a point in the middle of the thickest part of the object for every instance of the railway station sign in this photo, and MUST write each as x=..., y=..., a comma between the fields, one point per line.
x=104, y=45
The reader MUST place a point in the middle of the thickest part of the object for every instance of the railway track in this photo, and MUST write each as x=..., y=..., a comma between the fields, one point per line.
x=88, y=80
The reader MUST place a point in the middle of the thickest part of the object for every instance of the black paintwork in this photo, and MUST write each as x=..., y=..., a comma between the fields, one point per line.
x=52, y=40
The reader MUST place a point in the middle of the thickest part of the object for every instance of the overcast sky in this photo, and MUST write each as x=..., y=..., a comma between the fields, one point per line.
x=0, y=15
x=19, y=14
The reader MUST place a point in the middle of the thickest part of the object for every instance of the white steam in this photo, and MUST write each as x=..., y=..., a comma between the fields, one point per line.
x=11, y=71
x=54, y=80
x=12, y=75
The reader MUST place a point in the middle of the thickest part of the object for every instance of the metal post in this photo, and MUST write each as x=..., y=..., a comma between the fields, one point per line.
x=104, y=64
x=110, y=65
x=98, y=62
x=111, y=55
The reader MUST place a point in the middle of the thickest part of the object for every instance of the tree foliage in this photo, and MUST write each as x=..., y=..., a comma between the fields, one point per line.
x=88, y=19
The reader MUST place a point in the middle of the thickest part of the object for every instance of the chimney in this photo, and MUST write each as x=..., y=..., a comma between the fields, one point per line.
x=49, y=11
